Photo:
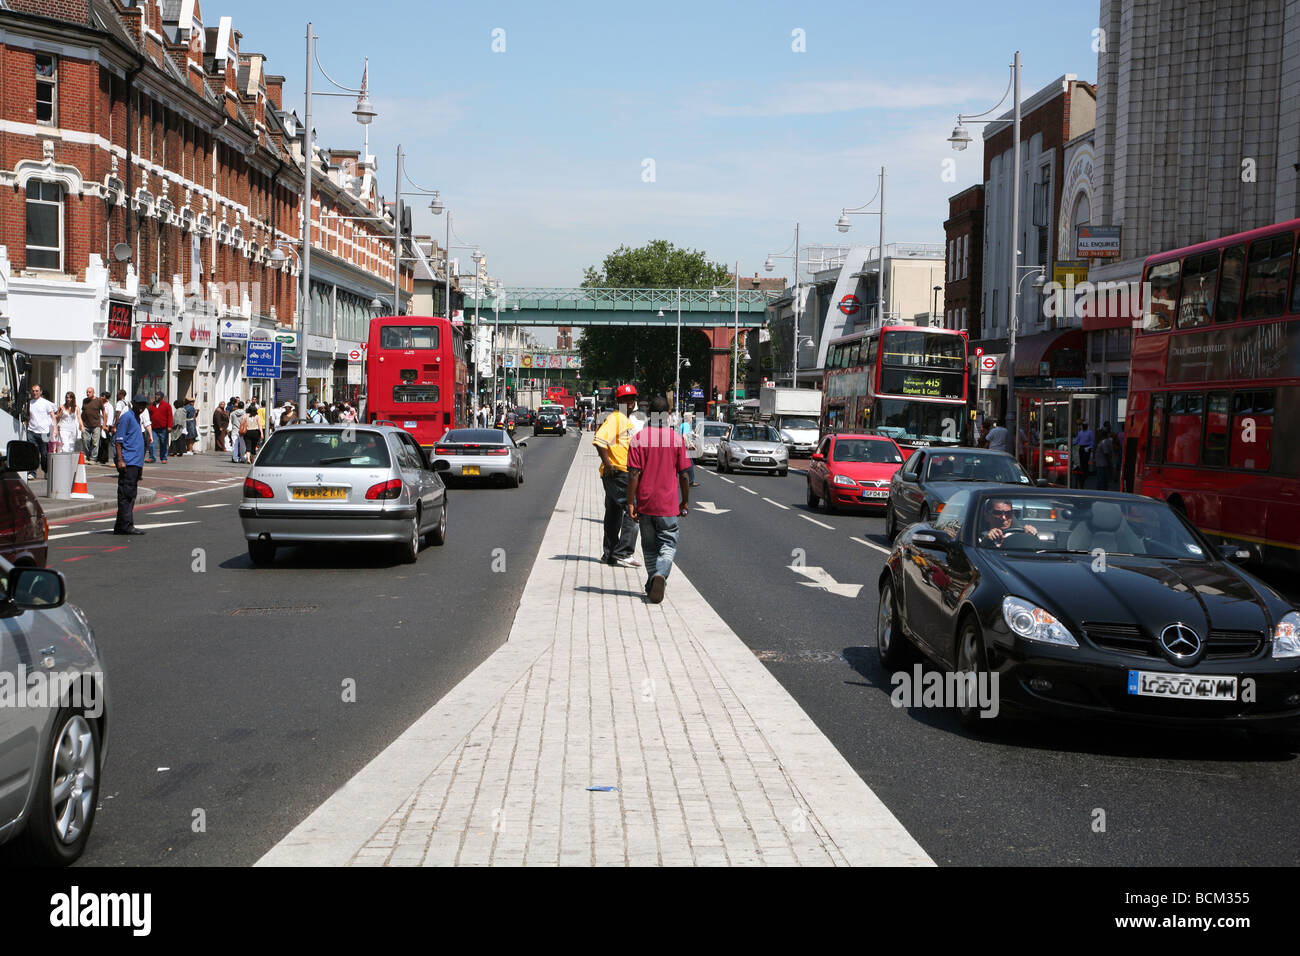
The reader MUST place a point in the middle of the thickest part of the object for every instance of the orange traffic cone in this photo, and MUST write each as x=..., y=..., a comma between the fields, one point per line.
x=79, y=488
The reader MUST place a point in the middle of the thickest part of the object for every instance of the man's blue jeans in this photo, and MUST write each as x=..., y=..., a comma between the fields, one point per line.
x=658, y=544
x=160, y=444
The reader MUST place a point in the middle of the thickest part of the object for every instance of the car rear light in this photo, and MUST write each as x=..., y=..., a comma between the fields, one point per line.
x=497, y=451
x=385, y=490
x=443, y=450
x=257, y=489
x=938, y=509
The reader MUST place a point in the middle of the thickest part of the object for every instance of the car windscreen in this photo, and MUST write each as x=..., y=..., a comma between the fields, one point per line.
x=714, y=431
x=955, y=467
x=804, y=423
x=866, y=450
x=300, y=447
x=1077, y=524
x=754, y=433
x=473, y=436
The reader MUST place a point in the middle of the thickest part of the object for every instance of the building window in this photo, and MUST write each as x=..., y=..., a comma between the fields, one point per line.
x=47, y=90
x=965, y=256
x=44, y=225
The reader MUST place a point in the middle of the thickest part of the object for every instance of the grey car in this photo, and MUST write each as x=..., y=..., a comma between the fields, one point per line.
x=52, y=747
x=753, y=446
x=342, y=483
x=482, y=453
x=708, y=435
x=919, y=490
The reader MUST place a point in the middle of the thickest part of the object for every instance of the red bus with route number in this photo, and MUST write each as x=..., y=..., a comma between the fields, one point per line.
x=905, y=381
x=416, y=375
x=1214, y=383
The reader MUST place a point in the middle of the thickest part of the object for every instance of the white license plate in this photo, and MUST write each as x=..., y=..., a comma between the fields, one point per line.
x=408, y=424
x=876, y=494
x=761, y=461
x=1181, y=686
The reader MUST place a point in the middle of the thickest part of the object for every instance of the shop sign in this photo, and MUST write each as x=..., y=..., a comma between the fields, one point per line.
x=237, y=330
x=120, y=315
x=155, y=338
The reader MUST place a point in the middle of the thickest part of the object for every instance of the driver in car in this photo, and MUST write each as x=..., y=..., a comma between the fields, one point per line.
x=1002, y=522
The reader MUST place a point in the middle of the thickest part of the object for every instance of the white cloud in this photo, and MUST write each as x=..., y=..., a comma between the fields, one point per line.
x=821, y=97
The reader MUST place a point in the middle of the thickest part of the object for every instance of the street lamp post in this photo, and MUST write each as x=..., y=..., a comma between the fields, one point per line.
x=935, y=309
x=960, y=139
x=843, y=226
x=677, y=369
x=797, y=305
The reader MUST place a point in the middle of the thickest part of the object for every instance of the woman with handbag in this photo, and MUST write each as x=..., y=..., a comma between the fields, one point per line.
x=67, y=425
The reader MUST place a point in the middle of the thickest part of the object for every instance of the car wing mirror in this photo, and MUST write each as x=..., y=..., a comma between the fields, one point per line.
x=30, y=588
x=1233, y=553
x=22, y=456
x=818, y=456
x=1042, y=483
x=930, y=539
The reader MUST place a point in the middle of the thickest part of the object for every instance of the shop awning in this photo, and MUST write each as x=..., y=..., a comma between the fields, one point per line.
x=1035, y=349
x=1108, y=310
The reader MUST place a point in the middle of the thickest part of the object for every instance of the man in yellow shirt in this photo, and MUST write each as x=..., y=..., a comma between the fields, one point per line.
x=612, y=440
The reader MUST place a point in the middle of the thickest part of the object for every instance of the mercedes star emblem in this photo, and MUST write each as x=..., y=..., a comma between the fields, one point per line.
x=1180, y=642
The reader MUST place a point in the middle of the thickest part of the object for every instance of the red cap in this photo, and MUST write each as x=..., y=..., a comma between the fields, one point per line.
x=625, y=391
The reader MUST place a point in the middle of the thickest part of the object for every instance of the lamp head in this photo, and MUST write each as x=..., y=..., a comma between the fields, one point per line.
x=842, y=224
x=960, y=138
x=769, y=265
x=364, y=112
x=277, y=255
x=436, y=207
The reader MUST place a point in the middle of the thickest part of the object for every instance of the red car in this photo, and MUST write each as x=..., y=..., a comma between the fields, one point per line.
x=24, y=532
x=852, y=471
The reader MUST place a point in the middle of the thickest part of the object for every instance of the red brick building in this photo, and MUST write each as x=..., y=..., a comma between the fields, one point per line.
x=151, y=172
x=964, y=249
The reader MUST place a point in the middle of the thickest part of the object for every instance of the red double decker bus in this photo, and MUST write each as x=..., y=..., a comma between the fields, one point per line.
x=904, y=381
x=416, y=376
x=1215, y=379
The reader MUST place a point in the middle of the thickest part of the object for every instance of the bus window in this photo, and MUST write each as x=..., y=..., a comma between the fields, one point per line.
x=1267, y=270
x=1163, y=280
x=1215, y=449
x=1251, y=440
x=1196, y=303
x=408, y=337
x=1156, y=434
x=1184, y=436
x=872, y=345
x=1234, y=262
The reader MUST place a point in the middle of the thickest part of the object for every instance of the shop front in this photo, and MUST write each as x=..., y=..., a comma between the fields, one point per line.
x=150, y=358
x=228, y=371
x=1108, y=323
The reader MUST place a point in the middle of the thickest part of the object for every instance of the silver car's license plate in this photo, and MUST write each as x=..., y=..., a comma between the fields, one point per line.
x=1182, y=686
x=761, y=461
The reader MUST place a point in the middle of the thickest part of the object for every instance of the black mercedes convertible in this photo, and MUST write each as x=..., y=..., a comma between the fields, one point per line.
x=1091, y=604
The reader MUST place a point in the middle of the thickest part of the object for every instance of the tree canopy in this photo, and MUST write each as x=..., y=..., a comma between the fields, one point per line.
x=640, y=354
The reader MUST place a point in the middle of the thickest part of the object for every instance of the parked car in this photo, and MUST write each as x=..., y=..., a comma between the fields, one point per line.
x=1166, y=630
x=354, y=483
x=753, y=446
x=24, y=532
x=481, y=453
x=549, y=421
x=852, y=470
x=707, y=437
x=919, y=490
x=52, y=754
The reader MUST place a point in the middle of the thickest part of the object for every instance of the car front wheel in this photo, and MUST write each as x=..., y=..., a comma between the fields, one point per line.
x=971, y=660
x=67, y=792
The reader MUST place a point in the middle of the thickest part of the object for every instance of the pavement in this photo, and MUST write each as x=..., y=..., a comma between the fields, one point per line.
x=606, y=731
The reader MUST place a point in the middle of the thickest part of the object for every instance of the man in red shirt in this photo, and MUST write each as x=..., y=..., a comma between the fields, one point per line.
x=160, y=420
x=658, y=493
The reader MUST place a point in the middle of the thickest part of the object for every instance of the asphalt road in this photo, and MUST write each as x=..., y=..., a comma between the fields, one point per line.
x=227, y=680
x=1027, y=795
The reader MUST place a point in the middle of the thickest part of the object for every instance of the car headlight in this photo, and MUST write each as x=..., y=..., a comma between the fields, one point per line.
x=1035, y=624
x=843, y=480
x=1286, y=636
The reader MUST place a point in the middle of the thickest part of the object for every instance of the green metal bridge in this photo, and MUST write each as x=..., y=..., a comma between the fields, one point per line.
x=701, y=308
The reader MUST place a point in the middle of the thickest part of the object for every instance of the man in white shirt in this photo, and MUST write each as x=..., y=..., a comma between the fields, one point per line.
x=40, y=421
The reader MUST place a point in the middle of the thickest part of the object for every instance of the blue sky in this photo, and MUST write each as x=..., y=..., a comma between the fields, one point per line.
x=539, y=150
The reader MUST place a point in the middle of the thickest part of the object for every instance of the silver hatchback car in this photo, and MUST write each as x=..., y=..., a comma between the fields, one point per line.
x=346, y=483
x=52, y=746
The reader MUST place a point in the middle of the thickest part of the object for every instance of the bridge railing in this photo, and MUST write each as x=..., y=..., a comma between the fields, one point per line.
x=637, y=300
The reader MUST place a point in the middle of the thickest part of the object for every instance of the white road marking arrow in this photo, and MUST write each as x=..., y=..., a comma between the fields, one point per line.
x=821, y=578
x=709, y=508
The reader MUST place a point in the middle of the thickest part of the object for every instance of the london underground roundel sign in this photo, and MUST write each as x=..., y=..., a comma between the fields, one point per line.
x=850, y=304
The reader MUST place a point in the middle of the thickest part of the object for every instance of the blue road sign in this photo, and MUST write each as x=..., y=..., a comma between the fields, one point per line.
x=263, y=360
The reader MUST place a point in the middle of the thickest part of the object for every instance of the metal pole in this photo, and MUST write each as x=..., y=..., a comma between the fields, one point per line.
x=677, y=377
x=1010, y=414
x=880, y=253
x=735, y=337
x=304, y=306
x=794, y=356
x=397, y=238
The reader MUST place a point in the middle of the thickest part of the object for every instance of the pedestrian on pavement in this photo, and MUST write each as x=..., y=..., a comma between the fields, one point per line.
x=178, y=427
x=995, y=438
x=191, y=425
x=161, y=420
x=92, y=422
x=1084, y=440
x=658, y=493
x=128, y=456
x=612, y=440
x=67, y=423
x=220, y=425
x=238, y=426
x=252, y=431
x=40, y=425
x=289, y=416
x=688, y=435
x=1104, y=459
x=109, y=419
x=347, y=416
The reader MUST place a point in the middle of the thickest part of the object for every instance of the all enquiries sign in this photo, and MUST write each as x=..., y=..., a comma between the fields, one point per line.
x=1098, y=242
